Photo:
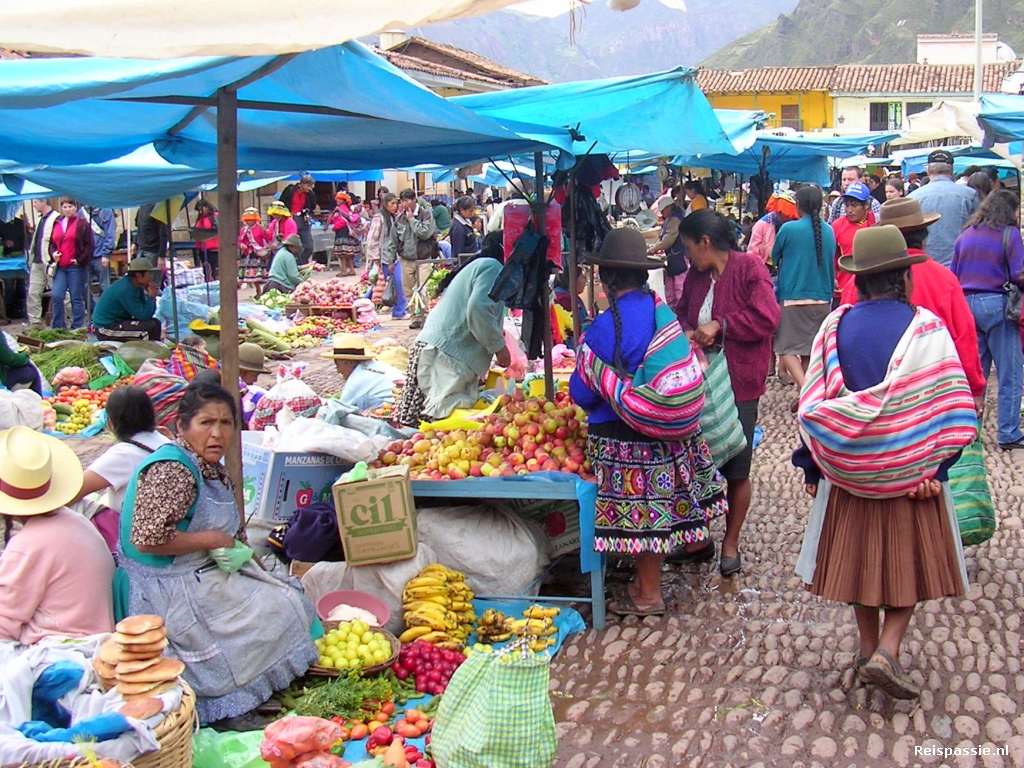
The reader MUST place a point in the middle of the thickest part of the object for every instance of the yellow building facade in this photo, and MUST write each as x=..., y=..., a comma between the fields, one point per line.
x=796, y=97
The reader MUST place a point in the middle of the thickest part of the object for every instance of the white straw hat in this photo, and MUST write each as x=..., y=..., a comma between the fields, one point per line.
x=29, y=484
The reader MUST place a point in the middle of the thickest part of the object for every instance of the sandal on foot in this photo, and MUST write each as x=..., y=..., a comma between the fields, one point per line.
x=883, y=671
x=858, y=667
x=730, y=566
x=624, y=605
x=683, y=556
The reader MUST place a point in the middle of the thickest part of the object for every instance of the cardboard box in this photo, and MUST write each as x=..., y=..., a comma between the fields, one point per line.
x=275, y=484
x=377, y=517
x=298, y=569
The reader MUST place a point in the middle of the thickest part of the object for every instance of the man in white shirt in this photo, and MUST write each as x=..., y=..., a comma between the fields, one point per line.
x=39, y=258
x=368, y=384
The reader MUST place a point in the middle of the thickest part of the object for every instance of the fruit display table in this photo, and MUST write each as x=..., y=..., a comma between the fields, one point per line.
x=540, y=486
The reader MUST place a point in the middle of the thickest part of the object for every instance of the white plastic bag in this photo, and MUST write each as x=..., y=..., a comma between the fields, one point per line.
x=23, y=408
x=309, y=435
x=289, y=391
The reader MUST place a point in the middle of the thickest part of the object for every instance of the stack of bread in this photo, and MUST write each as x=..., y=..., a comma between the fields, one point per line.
x=133, y=660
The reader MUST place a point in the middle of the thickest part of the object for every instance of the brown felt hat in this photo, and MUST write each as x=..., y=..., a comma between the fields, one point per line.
x=906, y=213
x=878, y=249
x=624, y=248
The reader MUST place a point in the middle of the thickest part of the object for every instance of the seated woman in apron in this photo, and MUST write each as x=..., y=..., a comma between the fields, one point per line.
x=241, y=635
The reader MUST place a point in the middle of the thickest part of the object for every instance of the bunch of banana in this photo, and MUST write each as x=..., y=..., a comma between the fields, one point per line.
x=438, y=608
x=538, y=625
x=494, y=627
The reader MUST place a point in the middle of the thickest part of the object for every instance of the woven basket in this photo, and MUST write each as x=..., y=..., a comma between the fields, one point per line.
x=174, y=734
x=317, y=671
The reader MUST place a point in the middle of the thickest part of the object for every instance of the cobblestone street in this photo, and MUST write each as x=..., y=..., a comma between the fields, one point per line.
x=756, y=671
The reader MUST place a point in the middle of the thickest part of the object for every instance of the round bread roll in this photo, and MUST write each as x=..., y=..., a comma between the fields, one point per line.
x=165, y=669
x=142, y=708
x=160, y=688
x=129, y=667
x=129, y=652
x=109, y=652
x=137, y=625
x=103, y=669
x=143, y=638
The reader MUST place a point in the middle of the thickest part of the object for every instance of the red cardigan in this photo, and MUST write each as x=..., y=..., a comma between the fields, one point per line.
x=746, y=307
x=75, y=244
x=938, y=290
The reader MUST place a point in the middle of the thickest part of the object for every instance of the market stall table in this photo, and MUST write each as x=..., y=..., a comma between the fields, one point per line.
x=11, y=268
x=553, y=486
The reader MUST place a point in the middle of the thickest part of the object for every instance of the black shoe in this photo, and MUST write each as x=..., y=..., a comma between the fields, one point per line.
x=683, y=556
x=1016, y=445
x=730, y=566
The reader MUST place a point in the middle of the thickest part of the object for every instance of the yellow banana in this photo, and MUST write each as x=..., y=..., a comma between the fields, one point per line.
x=433, y=580
x=450, y=645
x=425, y=592
x=436, y=637
x=461, y=605
x=430, y=620
x=540, y=612
x=430, y=605
x=541, y=645
x=412, y=633
x=496, y=638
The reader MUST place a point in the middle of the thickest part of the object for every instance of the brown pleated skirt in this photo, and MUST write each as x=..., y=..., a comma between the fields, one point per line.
x=890, y=553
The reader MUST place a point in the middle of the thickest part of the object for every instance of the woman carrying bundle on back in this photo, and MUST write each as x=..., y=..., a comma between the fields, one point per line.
x=657, y=485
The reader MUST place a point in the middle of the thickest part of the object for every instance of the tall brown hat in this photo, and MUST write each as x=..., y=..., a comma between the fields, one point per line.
x=625, y=248
x=906, y=213
x=878, y=249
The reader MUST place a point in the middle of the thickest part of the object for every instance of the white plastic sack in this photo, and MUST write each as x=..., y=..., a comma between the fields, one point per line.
x=314, y=436
x=291, y=392
x=500, y=553
x=23, y=408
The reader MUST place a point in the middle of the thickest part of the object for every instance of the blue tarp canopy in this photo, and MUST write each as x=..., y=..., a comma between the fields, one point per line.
x=964, y=156
x=795, y=158
x=491, y=174
x=340, y=107
x=1002, y=117
x=664, y=113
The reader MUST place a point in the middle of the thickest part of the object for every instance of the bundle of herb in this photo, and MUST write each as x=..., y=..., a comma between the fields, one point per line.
x=347, y=696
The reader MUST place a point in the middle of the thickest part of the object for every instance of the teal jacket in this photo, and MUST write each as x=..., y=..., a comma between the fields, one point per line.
x=122, y=301
x=466, y=323
x=794, y=254
x=284, y=269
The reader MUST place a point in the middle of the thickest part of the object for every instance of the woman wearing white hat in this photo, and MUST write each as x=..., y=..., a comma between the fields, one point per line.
x=56, y=573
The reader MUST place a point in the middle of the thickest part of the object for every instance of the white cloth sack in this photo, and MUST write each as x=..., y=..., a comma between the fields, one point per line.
x=315, y=436
x=23, y=408
x=499, y=552
x=21, y=665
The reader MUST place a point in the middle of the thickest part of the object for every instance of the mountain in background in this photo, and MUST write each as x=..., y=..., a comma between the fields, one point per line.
x=649, y=38
x=825, y=32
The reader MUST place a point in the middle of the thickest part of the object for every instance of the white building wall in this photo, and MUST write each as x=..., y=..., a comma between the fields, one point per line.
x=958, y=50
x=852, y=114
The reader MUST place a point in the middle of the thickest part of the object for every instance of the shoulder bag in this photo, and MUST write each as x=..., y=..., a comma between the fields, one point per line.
x=720, y=419
x=1010, y=288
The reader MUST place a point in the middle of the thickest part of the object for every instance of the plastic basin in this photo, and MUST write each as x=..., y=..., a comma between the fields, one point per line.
x=357, y=599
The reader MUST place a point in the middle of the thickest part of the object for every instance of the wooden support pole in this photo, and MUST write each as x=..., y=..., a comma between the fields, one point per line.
x=539, y=219
x=227, y=191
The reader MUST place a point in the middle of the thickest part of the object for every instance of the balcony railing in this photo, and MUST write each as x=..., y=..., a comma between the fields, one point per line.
x=780, y=122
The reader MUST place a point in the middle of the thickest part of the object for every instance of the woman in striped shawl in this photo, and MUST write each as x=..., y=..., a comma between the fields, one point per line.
x=883, y=414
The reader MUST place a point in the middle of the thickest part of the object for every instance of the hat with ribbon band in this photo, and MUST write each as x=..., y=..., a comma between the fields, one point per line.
x=348, y=346
x=878, y=249
x=29, y=482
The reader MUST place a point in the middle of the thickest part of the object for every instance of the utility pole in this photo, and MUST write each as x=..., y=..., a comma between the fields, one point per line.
x=977, y=51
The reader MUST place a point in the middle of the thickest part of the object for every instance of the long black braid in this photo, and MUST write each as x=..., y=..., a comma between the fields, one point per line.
x=888, y=284
x=618, y=279
x=808, y=202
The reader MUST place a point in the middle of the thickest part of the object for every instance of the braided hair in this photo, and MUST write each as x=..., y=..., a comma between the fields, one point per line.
x=887, y=284
x=617, y=279
x=808, y=203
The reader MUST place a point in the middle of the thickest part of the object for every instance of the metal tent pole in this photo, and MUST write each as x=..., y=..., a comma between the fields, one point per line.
x=227, y=190
x=545, y=291
x=170, y=254
x=574, y=269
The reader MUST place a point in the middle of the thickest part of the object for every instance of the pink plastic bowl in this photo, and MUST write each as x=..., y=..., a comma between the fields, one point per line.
x=332, y=600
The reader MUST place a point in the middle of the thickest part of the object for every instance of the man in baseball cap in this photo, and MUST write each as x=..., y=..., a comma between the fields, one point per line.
x=856, y=202
x=955, y=203
x=850, y=175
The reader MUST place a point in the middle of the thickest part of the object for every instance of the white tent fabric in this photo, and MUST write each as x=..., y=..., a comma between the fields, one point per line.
x=174, y=28
x=947, y=119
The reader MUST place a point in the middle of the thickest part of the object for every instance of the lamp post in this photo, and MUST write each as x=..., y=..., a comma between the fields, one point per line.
x=977, y=51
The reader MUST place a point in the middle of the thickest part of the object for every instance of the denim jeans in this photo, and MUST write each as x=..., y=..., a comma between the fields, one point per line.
x=96, y=271
x=68, y=280
x=999, y=341
x=397, y=311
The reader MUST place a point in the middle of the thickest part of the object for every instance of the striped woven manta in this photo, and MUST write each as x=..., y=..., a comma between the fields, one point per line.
x=665, y=396
x=883, y=441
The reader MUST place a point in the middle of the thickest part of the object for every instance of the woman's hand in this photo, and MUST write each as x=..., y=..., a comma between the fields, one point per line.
x=706, y=334
x=812, y=490
x=927, y=489
x=503, y=358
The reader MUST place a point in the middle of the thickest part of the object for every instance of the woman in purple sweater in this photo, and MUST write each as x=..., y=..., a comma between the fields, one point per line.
x=989, y=253
x=728, y=299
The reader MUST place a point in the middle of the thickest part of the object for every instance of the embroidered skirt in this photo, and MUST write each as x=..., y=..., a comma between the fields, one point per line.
x=346, y=246
x=653, y=496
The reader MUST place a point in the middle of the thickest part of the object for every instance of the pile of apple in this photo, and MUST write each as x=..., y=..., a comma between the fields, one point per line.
x=522, y=436
x=330, y=293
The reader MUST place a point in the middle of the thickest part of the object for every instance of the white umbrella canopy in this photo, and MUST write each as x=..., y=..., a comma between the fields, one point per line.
x=947, y=119
x=176, y=28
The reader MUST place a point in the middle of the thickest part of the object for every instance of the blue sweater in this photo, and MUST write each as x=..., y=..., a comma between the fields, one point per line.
x=637, y=312
x=794, y=254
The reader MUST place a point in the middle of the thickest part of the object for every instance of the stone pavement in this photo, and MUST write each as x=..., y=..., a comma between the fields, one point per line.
x=754, y=670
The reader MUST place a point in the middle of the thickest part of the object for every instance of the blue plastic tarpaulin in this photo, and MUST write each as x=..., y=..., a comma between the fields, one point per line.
x=796, y=158
x=340, y=107
x=665, y=113
x=964, y=156
x=1002, y=117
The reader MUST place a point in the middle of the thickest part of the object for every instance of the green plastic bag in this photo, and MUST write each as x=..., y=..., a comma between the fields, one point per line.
x=227, y=750
x=231, y=559
x=496, y=712
x=972, y=499
x=720, y=421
